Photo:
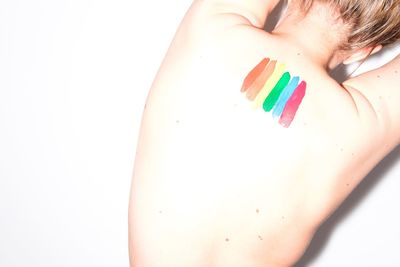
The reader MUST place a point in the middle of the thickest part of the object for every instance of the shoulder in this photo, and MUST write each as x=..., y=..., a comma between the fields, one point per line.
x=377, y=91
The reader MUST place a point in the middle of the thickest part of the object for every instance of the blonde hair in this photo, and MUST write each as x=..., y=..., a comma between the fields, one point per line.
x=370, y=23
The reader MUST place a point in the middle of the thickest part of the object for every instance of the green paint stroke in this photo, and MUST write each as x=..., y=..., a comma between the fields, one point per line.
x=273, y=96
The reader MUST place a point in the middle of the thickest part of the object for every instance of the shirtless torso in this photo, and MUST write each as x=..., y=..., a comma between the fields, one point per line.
x=218, y=182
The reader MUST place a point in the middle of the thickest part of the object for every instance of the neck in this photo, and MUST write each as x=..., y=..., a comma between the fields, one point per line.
x=317, y=35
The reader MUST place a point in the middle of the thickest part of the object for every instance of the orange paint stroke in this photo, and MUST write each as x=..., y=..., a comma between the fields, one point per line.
x=254, y=74
x=259, y=83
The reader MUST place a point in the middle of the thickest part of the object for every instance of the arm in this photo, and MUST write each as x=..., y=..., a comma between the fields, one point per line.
x=378, y=91
x=254, y=11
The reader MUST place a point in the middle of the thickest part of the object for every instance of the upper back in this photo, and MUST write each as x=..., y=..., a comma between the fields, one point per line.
x=209, y=162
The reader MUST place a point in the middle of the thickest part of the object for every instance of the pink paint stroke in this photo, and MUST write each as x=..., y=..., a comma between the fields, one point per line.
x=293, y=105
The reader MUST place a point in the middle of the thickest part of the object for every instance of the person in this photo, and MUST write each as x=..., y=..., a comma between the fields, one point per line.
x=247, y=145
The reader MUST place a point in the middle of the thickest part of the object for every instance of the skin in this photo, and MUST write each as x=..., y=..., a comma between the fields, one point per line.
x=217, y=183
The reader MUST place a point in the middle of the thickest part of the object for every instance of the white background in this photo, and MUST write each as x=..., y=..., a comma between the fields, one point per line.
x=74, y=75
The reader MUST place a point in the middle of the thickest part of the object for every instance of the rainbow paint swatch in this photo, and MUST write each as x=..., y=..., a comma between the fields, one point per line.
x=269, y=86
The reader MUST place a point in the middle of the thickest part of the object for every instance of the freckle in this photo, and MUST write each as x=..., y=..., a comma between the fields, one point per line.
x=283, y=217
x=342, y=149
x=260, y=237
x=378, y=76
x=160, y=212
x=396, y=71
x=298, y=54
x=347, y=184
x=352, y=154
x=226, y=239
x=178, y=121
x=257, y=210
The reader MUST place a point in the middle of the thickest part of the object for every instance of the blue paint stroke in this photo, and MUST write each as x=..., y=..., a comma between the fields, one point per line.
x=284, y=97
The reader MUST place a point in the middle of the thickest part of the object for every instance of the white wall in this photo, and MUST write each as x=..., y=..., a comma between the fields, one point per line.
x=73, y=80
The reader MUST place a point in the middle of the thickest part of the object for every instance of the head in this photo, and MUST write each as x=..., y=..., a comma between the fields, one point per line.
x=369, y=25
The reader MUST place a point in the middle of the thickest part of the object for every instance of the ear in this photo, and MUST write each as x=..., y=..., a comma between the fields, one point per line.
x=361, y=54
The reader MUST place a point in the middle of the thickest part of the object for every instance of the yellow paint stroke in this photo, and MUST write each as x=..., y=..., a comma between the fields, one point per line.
x=278, y=72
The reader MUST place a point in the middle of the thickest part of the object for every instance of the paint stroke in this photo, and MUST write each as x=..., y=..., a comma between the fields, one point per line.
x=284, y=97
x=258, y=101
x=292, y=105
x=259, y=83
x=273, y=96
x=254, y=74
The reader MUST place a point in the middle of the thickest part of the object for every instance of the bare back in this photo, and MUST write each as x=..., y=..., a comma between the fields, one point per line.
x=218, y=182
